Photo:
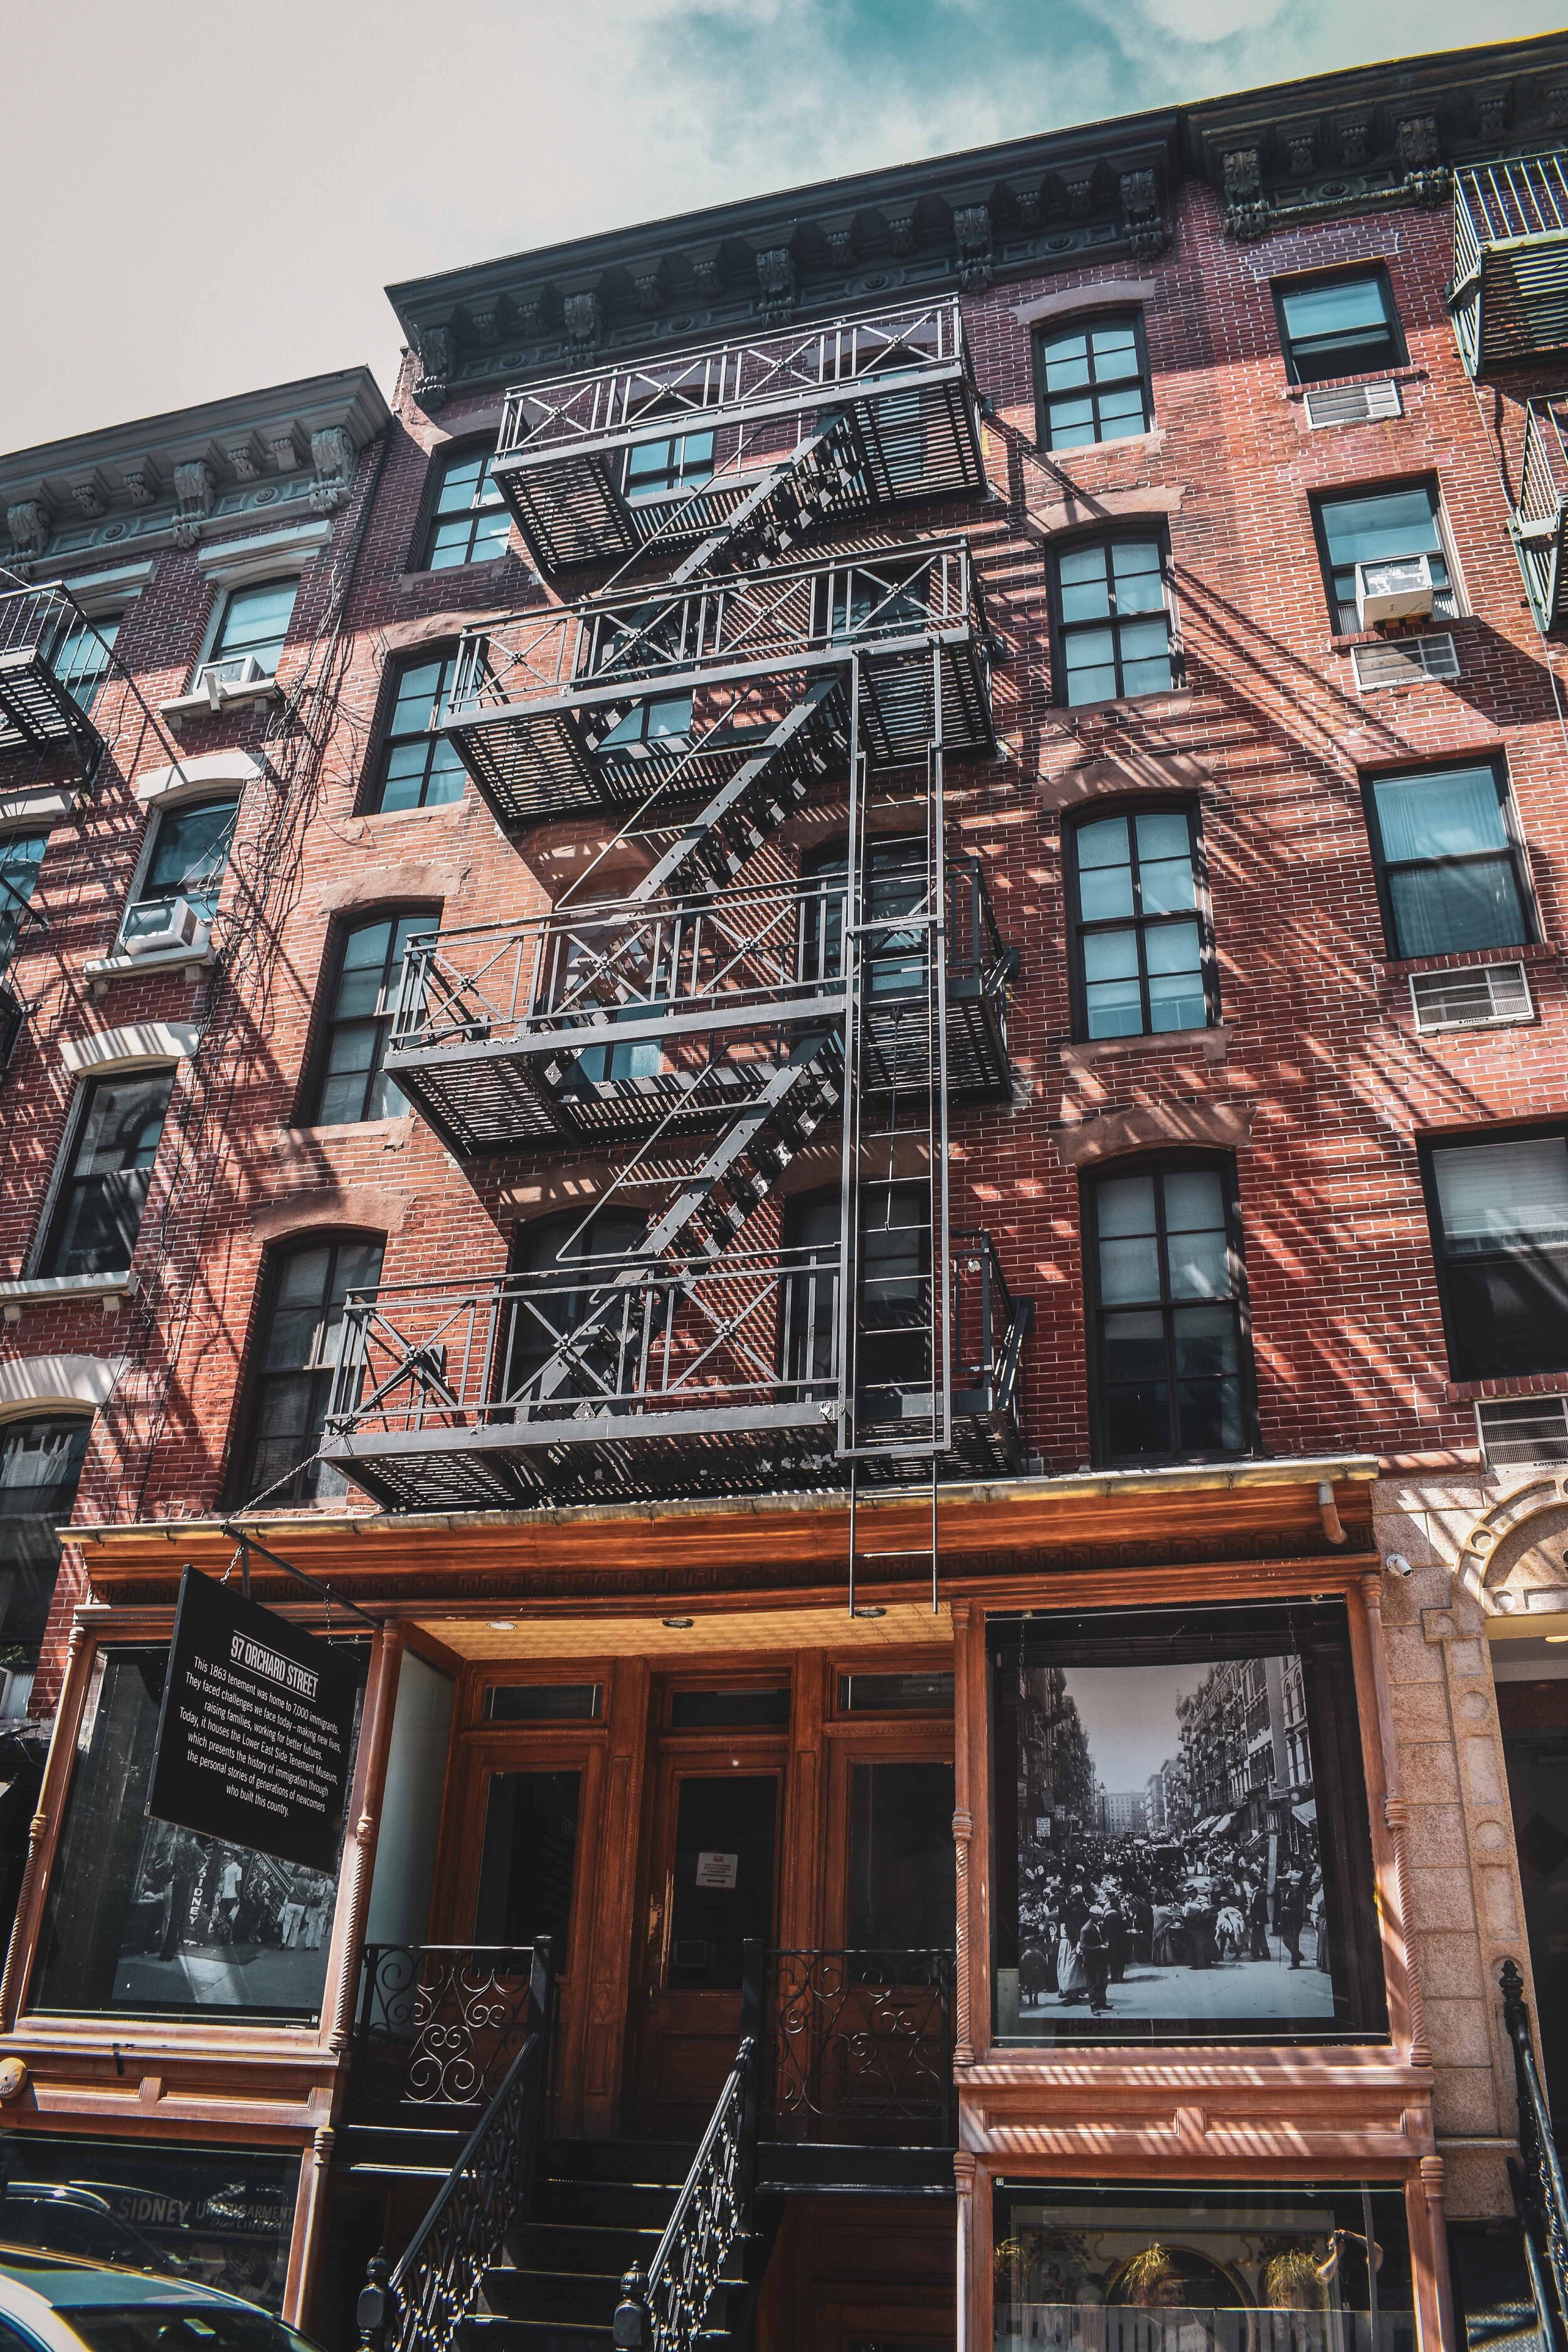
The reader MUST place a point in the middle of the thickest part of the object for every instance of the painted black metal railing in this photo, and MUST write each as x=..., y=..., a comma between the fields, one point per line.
x=858, y=2046
x=481, y=2206
x=1539, y=2194
x=438, y=2026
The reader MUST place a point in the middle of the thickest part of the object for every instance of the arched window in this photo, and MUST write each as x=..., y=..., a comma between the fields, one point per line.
x=559, y=1262
x=1143, y=958
x=349, y=1084
x=1170, y=1368
x=299, y=1342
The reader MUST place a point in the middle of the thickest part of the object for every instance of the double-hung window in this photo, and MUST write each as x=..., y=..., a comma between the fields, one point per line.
x=1343, y=325
x=418, y=769
x=80, y=658
x=298, y=1350
x=350, y=1083
x=187, y=860
x=21, y=855
x=1112, y=620
x=1499, y=1223
x=102, y=1191
x=1450, y=866
x=252, y=627
x=1377, y=526
x=1144, y=960
x=659, y=468
x=1092, y=382
x=1171, y=1372
x=468, y=522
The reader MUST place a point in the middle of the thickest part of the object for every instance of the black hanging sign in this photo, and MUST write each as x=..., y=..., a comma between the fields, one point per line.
x=256, y=1736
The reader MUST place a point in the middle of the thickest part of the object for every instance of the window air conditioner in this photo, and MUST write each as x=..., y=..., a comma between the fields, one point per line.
x=160, y=927
x=1394, y=588
x=236, y=669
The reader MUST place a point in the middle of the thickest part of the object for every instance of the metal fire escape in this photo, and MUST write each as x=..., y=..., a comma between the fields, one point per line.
x=710, y=1326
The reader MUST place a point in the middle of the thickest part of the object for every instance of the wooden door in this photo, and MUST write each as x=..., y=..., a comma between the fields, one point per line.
x=711, y=1886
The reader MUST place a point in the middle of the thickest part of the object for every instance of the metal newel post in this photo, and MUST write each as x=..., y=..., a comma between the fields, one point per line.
x=378, y=2310
x=634, y=2326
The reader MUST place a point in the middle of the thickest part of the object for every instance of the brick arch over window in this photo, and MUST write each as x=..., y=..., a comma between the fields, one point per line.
x=363, y=1208
x=30, y=1384
x=410, y=883
x=1125, y=777
x=1156, y=1127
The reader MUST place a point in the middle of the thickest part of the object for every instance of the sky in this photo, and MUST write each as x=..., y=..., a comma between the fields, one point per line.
x=201, y=197
x=1129, y=1716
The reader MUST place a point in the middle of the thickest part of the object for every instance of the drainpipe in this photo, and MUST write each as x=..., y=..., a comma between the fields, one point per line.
x=1333, y=1526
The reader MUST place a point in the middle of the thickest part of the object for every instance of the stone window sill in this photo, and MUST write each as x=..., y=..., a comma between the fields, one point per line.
x=1537, y=952
x=66, y=1289
x=1420, y=625
x=102, y=970
x=409, y=582
x=186, y=706
x=1366, y=375
x=1213, y=1044
x=1144, y=705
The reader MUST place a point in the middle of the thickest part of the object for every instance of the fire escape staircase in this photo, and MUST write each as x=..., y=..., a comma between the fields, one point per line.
x=707, y=1352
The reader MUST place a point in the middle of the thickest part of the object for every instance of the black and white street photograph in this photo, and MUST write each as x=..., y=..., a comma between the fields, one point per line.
x=1168, y=1864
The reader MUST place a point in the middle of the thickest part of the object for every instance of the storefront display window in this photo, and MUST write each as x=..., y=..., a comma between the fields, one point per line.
x=144, y=1917
x=1296, y=2269
x=220, y=2217
x=1180, y=1838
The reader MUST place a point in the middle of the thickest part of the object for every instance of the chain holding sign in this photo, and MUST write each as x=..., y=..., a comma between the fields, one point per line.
x=256, y=1733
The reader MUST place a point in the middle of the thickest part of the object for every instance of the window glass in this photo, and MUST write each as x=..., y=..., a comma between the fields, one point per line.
x=681, y=463
x=1449, y=867
x=530, y=1859
x=543, y=1702
x=557, y=1261
x=1203, y=2270
x=190, y=853
x=215, y=2217
x=713, y=1711
x=893, y=1329
x=79, y=658
x=352, y=1085
x=1370, y=527
x=1188, y=1852
x=722, y=1891
x=40, y=1462
x=297, y=1357
x=469, y=523
x=1345, y=326
x=256, y=622
x=896, y=883
x=1091, y=383
x=1167, y=1316
x=143, y=1918
x=918, y=1694
x=901, y=1893
x=1113, y=625
x=1141, y=943
x=419, y=769
x=1503, y=1219
x=664, y=720
x=21, y=855
x=97, y=1213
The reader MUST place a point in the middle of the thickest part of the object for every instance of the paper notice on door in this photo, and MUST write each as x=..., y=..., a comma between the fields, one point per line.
x=717, y=1869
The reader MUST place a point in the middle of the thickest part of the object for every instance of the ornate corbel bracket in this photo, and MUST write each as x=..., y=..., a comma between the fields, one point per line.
x=29, y=528
x=331, y=454
x=433, y=377
x=776, y=282
x=193, y=489
x=971, y=233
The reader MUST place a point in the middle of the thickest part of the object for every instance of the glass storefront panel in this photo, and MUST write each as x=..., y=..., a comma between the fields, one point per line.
x=144, y=1917
x=221, y=2217
x=1180, y=1840
x=1282, y=2269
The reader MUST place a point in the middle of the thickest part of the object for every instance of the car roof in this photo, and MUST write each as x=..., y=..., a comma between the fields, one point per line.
x=64, y=2282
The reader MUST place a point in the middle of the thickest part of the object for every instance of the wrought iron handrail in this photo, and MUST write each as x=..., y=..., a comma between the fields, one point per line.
x=1542, y=2196
x=480, y=2205
x=858, y=2044
x=437, y=2026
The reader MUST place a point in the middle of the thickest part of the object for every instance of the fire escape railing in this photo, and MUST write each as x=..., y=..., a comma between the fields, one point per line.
x=1509, y=291
x=1541, y=2195
x=481, y=2206
x=40, y=710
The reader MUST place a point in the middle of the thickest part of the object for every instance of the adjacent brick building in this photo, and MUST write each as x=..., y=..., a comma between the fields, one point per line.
x=817, y=1022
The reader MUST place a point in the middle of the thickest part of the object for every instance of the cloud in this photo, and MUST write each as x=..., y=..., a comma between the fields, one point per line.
x=1206, y=21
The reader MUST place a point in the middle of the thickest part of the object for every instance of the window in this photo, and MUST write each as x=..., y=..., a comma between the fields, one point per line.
x=79, y=658
x=1144, y=963
x=654, y=468
x=660, y=723
x=144, y=1919
x=254, y=622
x=469, y=521
x=189, y=854
x=1343, y=325
x=97, y=1213
x=295, y=1363
x=40, y=1461
x=1183, y=1848
x=419, y=769
x=1169, y=1366
x=897, y=883
x=351, y=1085
x=21, y=855
x=557, y=1298
x=893, y=1326
x=1370, y=527
x=1112, y=621
x=1450, y=871
x=528, y=1860
x=1093, y=382
x=901, y=1890
x=1499, y=1226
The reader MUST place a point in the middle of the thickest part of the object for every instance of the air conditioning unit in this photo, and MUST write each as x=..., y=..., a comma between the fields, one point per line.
x=1396, y=588
x=237, y=670
x=162, y=927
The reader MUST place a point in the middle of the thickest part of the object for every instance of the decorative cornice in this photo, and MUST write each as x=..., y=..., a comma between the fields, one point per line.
x=177, y=480
x=1298, y=152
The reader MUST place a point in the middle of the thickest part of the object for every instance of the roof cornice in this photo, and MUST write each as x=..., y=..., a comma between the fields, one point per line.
x=1338, y=142
x=259, y=456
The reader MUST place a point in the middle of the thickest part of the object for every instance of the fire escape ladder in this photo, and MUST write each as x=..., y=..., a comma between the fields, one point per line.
x=804, y=485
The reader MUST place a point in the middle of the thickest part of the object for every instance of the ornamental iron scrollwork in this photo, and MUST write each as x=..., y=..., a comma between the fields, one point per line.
x=439, y=2024
x=858, y=2046
x=1540, y=2197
